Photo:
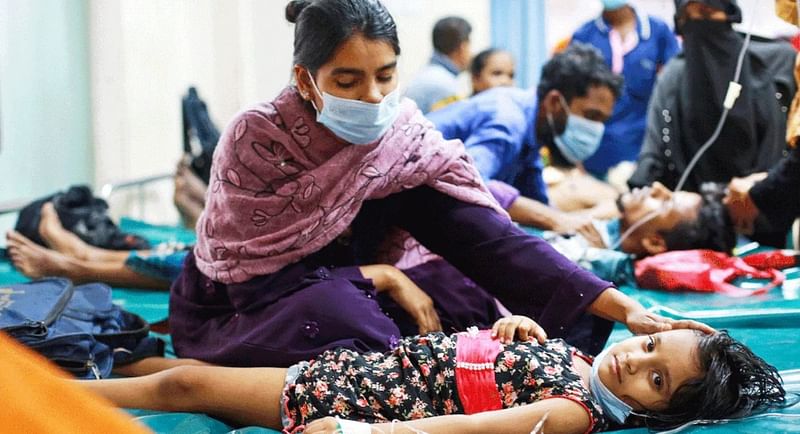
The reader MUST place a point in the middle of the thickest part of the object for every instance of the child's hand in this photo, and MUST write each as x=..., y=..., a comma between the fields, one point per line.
x=505, y=329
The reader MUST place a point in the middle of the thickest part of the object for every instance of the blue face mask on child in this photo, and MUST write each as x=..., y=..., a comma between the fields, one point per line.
x=357, y=122
x=611, y=5
x=612, y=406
x=581, y=136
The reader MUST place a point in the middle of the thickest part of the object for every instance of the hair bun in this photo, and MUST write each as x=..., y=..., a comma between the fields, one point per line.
x=294, y=8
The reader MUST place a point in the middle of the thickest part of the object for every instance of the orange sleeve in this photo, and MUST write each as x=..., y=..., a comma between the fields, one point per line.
x=38, y=398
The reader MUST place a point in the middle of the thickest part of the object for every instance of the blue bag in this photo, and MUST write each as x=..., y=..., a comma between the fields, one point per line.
x=77, y=327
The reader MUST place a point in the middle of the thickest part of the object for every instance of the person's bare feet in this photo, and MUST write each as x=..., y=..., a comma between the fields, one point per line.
x=189, y=194
x=192, y=184
x=58, y=238
x=33, y=260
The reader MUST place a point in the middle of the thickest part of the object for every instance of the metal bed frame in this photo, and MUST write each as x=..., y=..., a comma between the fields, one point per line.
x=105, y=192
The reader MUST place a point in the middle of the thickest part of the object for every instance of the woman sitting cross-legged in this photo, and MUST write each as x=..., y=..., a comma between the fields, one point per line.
x=481, y=382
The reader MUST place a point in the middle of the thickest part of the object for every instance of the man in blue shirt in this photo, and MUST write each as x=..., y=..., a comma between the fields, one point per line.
x=436, y=85
x=504, y=129
x=636, y=46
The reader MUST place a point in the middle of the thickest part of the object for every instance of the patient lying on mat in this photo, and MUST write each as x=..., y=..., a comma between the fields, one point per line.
x=444, y=384
x=684, y=220
x=71, y=257
x=687, y=222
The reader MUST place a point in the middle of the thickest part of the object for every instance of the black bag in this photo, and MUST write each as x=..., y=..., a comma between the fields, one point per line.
x=77, y=327
x=200, y=136
x=84, y=215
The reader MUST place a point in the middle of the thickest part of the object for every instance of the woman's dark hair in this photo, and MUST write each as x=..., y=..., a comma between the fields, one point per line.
x=713, y=228
x=449, y=33
x=576, y=69
x=479, y=61
x=735, y=383
x=322, y=25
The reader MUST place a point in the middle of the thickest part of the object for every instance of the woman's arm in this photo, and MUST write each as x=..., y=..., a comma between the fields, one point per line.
x=613, y=305
x=563, y=417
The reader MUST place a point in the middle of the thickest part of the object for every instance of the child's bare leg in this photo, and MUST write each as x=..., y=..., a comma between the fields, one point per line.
x=35, y=261
x=249, y=396
x=151, y=365
x=66, y=242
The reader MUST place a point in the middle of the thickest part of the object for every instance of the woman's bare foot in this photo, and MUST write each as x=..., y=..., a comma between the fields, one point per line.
x=58, y=238
x=33, y=260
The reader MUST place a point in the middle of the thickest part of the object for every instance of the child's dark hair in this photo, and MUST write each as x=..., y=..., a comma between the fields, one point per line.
x=735, y=383
x=712, y=229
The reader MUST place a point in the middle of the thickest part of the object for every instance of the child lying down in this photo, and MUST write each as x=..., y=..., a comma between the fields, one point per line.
x=481, y=382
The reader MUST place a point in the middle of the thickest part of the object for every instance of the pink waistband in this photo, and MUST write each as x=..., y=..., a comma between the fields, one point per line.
x=475, y=360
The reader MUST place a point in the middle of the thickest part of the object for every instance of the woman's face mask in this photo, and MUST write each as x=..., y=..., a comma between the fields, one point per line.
x=357, y=122
x=581, y=136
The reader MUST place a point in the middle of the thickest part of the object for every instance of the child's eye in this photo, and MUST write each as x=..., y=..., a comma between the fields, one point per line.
x=385, y=79
x=651, y=344
x=657, y=380
x=345, y=85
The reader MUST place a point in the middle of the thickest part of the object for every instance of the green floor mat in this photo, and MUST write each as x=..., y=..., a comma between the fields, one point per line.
x=183, y=423
x=158, y=233
x=9, y=275
x=780, y=307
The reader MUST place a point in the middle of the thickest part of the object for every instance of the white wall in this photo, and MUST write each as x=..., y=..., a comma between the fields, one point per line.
x=145, y=53
x=45, y=120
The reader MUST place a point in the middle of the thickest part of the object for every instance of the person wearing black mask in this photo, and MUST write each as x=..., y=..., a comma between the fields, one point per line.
x=687, y=105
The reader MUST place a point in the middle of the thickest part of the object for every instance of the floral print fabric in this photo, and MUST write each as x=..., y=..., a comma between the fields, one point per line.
x=417, y=380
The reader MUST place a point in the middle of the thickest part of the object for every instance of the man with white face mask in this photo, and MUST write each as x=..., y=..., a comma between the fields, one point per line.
x=505, y=128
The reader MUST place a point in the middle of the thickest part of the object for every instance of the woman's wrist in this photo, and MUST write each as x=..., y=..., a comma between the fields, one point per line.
x=613, y=305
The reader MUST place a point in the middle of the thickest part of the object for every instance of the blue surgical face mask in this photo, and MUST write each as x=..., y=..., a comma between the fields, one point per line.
x=611, y=5
x=612, y=406
x=581, y=136
x=357, y=122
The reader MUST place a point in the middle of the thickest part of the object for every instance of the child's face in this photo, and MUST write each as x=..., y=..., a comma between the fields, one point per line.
x=644, y=371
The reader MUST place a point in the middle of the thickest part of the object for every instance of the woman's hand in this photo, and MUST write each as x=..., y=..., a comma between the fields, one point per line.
x=642, y=322
x=740, y=205
x=505, y=329
x=613, y=305
x=406, y=294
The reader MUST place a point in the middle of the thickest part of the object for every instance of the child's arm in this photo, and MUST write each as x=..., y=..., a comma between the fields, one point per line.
x=563, y=417
x=506, y=328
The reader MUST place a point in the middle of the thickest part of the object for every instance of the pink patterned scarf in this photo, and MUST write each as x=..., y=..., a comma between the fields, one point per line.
x=283, y=186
